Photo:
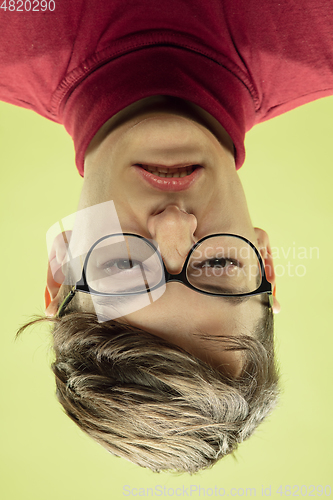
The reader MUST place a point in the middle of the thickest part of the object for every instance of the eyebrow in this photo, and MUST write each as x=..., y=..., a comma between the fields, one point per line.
x=105, y=300
x=236, y=300
x=110, y=300
x=233, y=299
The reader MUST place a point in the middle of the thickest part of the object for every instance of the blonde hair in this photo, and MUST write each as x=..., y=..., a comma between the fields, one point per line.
x=151, y=402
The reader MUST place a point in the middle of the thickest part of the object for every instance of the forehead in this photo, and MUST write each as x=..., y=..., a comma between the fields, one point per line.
x=196, y=323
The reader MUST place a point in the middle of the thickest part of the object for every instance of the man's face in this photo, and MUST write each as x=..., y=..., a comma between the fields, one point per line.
x=175, y=215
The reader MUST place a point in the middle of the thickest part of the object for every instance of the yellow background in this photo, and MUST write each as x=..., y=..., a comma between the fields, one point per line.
x=288, y=180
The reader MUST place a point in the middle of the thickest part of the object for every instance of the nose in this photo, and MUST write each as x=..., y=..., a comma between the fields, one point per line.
x=173, y=230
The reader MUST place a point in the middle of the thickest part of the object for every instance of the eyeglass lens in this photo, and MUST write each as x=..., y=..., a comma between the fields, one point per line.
x=224, y=265
x=120, y=264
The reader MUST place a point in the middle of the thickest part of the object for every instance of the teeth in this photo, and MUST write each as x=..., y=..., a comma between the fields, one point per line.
x=165, y=172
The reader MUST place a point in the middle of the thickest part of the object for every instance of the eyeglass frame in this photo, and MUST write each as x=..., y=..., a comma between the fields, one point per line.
x=82, y=285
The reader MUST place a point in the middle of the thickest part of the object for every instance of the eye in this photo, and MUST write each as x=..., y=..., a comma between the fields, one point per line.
x=216, y=263
x=115, y=265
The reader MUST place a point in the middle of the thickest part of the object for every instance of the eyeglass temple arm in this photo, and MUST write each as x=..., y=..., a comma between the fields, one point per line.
x=65, y=302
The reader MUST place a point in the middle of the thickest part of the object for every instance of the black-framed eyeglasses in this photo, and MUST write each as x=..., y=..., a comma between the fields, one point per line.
x=127, y=264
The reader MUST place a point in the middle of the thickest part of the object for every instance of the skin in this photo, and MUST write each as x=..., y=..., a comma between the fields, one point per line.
x=168, y=131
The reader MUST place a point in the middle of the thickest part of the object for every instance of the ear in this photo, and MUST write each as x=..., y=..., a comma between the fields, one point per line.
x=266, y=253
x=55, y=276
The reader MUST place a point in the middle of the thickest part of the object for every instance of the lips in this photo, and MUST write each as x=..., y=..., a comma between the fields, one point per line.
x=169, y=178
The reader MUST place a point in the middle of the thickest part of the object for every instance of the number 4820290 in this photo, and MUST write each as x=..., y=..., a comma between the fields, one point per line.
x=28, y=5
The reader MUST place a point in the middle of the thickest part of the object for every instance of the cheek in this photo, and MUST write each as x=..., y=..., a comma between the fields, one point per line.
x=216, y=217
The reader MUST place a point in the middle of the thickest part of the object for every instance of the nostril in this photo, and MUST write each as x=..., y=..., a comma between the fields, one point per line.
x=172, y=223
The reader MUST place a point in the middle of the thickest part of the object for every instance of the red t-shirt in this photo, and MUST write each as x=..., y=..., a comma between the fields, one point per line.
x=242, y=61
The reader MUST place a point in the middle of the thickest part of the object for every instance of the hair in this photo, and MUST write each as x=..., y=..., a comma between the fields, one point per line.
x=152, y=403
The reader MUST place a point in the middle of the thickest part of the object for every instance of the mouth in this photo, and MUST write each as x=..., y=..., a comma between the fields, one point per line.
x=169, y=178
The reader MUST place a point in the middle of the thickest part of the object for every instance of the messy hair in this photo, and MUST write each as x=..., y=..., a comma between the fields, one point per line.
x=149, y=401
